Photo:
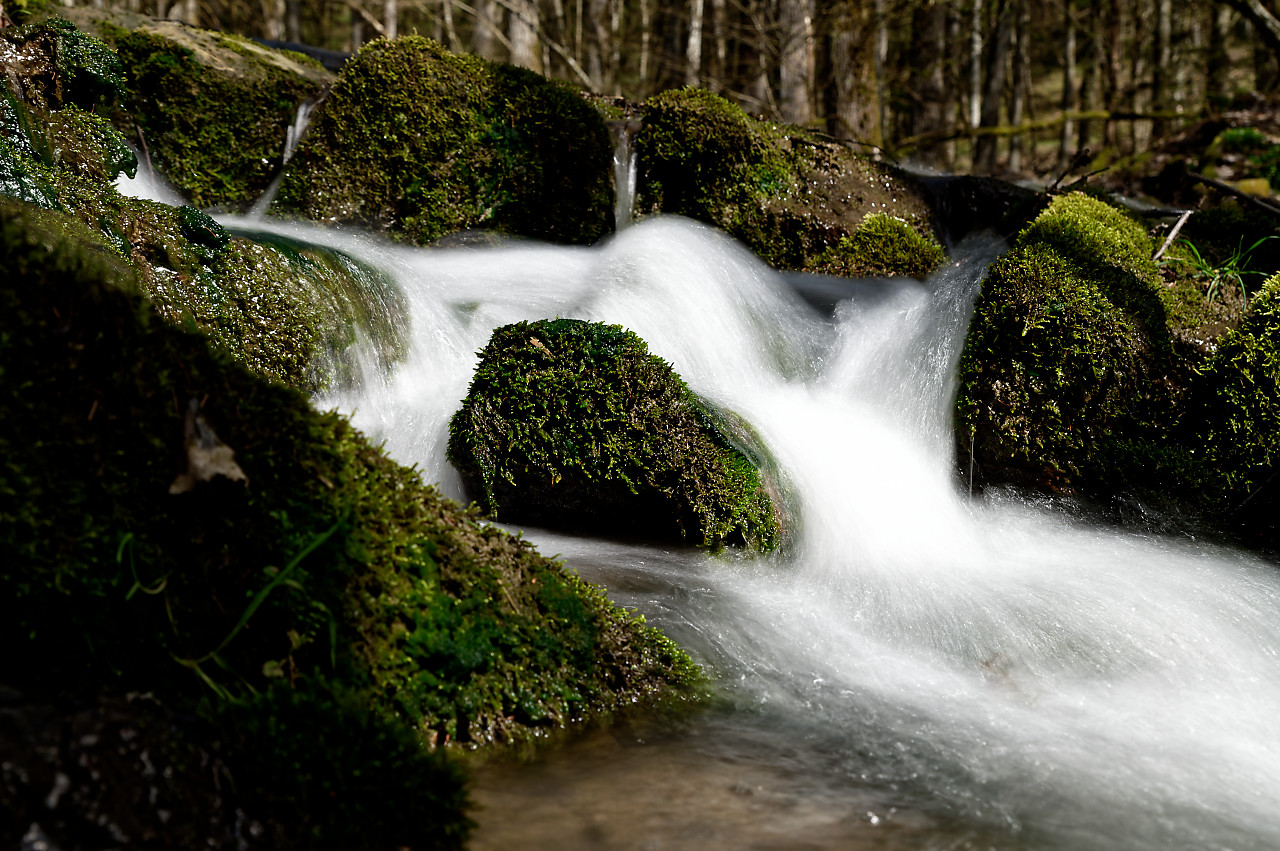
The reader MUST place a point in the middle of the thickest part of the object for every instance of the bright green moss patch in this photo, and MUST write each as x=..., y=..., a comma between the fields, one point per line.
x=1066, y=345
x=883, y=246
x=419, y=142
x=788, y=195
x=575, y=424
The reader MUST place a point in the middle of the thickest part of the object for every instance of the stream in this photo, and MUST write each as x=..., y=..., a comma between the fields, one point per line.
x=916, y=668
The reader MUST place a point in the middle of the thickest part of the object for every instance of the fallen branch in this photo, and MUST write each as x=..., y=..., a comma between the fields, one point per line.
x=1262, y=204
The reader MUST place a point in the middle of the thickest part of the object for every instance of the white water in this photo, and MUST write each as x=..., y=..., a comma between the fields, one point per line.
x=1039, y=682
x=148, y=185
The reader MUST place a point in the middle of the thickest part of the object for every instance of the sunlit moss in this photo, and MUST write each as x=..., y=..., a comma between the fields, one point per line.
x=575, y=424
x=883, y=246
x=787, y=194
x=1058, y=375
x=421, y=143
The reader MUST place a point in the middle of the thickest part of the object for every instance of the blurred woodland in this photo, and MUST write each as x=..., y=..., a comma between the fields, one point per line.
x=988, y=86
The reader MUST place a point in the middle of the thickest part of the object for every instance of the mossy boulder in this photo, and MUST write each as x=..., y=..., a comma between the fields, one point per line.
x=281, y=308
x=1060, y=378
x=789, y=195
x=305, y=567
x=571, y=424
x=1235, y=406
x=212, y=110
x=420, y=143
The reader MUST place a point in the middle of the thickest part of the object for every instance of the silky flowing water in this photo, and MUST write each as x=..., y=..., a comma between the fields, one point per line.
x=916, y=668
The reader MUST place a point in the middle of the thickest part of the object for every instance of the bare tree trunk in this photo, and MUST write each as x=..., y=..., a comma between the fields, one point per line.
x=273, y=13
x=1065, y=151
x=986, y=149
x=796, y=60
x=720, y=39
x=1091, y=86
x=484, y=37
x=693, y=49
x=390, y=17
x=450, y=30
x=646, y=36
x=857, y=112
x=522, y=34
x=881, y=13
x=1020, y=94
x=1161, y=61
x=1265, y=23
x=598, y=48
x=292, y=20
x=929, y=47
x=1137, y=74
x=975, y=64
x=1218, y=63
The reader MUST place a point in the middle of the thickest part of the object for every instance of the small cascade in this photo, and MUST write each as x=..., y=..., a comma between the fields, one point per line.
x=293, y=135
x=148, y=184
x=624, y=172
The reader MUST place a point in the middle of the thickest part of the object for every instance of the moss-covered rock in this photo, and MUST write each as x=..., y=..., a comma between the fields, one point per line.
x=420, y=143
x=212, y=110
x=1060, y=376
x=788, y=195
x=571, y=424
x=281, y=308
x=882, y=246
x=305, y=567
x=1236, y=403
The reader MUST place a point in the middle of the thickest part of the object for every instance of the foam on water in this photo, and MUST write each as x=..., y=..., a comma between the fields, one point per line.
x=1064, y=685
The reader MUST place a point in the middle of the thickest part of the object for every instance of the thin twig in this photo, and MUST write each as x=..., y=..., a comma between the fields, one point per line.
x=1173, y=234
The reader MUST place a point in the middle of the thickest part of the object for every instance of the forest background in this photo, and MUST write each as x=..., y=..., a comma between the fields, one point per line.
x=986, y=86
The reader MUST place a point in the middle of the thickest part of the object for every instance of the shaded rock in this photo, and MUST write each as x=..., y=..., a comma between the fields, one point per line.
x=1058, y=379
x=788, y=194
x=575, y=425
x=420, y=143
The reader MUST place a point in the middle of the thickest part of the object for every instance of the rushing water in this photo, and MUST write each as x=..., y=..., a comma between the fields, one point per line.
x=917, y=669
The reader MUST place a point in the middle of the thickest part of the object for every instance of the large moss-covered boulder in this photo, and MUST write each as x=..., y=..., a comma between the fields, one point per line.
x=790, y=196
x=1060, y=376
x=172, y=524
x=571, y=424
x=420, y=143
x=211, y=110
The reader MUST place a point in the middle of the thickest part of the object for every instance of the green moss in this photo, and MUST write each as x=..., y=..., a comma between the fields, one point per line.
x=884, y=246
x=85, y=145
x=331, y=560
x=1059, y=373
x=1236, y=407
x=788, y=195
x=421, y=143
x=216, y=130
x=61, y=66
x=570, y=423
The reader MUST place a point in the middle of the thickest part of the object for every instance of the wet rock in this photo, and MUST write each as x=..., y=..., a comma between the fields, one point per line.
x=788, y=194
x=212, y=110
x=421, y=143
x=575, y=425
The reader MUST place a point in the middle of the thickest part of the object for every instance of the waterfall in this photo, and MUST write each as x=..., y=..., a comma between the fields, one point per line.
x=624, y=173
x=292, y=136
x=1002, y=670
x=148, y=185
